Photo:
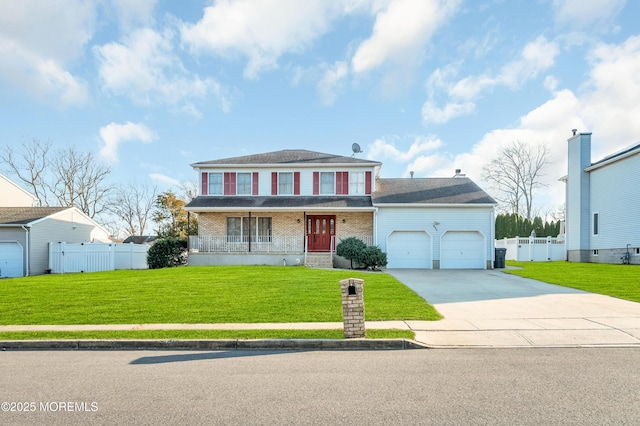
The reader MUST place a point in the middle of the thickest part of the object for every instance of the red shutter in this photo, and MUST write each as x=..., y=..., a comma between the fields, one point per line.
x=229, y=183
x=342, y=183
x=274, y=183
x=296, y=183
x=316, y=183
x=367, y=182
x=205, y=184
x=254, y=189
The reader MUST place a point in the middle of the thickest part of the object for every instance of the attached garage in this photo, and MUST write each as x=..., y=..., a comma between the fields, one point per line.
x=409, y=249
x=463, y=250
x=11, y=264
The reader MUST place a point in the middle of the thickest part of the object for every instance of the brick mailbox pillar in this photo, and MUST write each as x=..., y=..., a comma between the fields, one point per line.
x=353, y=307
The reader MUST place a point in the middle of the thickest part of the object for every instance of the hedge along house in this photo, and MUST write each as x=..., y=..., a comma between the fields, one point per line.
x=294, y=206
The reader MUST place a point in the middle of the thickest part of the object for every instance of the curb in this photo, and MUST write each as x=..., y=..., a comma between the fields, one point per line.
x=214, y=345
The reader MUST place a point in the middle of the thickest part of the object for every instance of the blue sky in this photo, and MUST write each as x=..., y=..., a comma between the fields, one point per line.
x=151, y=86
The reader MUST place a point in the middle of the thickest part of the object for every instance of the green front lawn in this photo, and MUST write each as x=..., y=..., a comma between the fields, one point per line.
x=621, y=281
x=215, y=294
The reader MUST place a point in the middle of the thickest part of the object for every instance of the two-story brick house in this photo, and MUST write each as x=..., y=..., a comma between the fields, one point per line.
x=293, y=207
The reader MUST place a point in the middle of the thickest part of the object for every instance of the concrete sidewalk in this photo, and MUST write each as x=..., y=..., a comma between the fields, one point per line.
x=447, y=333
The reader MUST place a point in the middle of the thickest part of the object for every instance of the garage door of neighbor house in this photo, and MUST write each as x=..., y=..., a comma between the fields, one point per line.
x=409, y=249
x=462, y=250
x=10, y=259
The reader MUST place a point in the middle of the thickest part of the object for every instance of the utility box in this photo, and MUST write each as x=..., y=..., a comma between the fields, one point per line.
x=353, y=307
x=501, y=255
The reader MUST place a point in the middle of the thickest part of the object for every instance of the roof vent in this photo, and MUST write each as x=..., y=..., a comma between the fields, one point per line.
x=574, y=131
x=411, y=173
x=459, y=173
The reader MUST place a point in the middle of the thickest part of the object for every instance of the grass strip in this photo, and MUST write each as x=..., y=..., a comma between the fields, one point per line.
x=200, y=334
x=621, y=281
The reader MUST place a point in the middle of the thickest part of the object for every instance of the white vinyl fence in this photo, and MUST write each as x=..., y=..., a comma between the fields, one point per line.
x=94, y=257
x=534, y=249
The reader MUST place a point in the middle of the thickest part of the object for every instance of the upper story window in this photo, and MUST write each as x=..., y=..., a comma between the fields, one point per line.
x=285, y=183
x=595, y=224
x=327, y=183
x=215, y=183
x=342, y=183
x=356, y=183
x=243, y=185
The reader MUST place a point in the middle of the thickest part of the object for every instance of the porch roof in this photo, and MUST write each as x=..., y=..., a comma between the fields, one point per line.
x=211, y=203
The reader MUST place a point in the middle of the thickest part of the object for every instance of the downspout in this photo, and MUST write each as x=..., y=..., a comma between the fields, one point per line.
x=304, y=233
x=26, y=243
x=249, y=232
x=375, y=226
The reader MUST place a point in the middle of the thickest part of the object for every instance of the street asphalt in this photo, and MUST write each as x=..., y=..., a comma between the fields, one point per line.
x=482, y=308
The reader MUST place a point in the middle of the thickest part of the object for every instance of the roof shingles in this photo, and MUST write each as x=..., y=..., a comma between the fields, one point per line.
x=457, y=190
x=287, y=156
x=25, y=215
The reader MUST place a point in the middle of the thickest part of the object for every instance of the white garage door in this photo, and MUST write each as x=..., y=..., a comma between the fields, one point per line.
x=409, y=249
x=462, y=250
x=10, y=259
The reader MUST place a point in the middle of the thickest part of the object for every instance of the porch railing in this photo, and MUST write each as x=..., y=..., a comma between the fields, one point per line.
x=225, y=244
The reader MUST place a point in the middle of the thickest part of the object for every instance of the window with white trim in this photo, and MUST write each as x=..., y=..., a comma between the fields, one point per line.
x=239, y=229
x=327, y=183
x=285, y=183
x=356, y=183
x=215, y=184
x=243, y=185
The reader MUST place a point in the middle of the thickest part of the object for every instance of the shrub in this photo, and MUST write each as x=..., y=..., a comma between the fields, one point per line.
x=357, y=251
x=351, y=249
x=167, y=252
x=373, y=257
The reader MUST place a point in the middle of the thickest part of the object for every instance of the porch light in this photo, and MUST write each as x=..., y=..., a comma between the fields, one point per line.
x=298, y=220
x=344, y=220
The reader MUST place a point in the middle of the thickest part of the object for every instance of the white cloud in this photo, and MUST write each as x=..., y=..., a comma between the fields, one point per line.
x=114, y=134
x=421, y=145
x=431, y=113
x=134, y=12
x=332, y=81
x=585, y=14
x=400, y=32
x=165, y=180
x=260, y=30
x=37, y=42
x=145, y=68
x=536, y=56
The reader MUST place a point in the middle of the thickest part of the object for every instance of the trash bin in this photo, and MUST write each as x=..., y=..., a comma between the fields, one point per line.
x=501, y=255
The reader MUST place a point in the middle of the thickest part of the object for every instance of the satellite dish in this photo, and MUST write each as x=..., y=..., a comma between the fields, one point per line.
x=356, y=149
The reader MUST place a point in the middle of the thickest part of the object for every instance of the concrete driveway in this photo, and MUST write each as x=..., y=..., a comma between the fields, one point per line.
x=494, y=309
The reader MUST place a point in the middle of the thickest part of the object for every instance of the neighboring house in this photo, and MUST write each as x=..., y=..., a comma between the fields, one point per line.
x=294, y=206
x=12, y=195
x=602, y=202
x=25, y=233
x=140, y=239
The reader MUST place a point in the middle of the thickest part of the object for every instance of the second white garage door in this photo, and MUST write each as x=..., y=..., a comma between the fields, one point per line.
x=409, y=249
x=10, y=259
x=462, y=250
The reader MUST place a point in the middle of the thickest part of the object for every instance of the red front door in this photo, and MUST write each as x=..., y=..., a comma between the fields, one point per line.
x=320, y=229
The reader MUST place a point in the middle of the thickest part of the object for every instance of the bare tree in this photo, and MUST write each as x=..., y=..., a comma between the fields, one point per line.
x=133, y=205
x=78, y=180
x=65, y=178
x=30, y=166
x=515, y=174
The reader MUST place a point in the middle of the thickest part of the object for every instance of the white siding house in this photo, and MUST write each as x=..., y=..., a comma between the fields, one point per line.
x=602, y=203
x=25, y=234
x=12, y=195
